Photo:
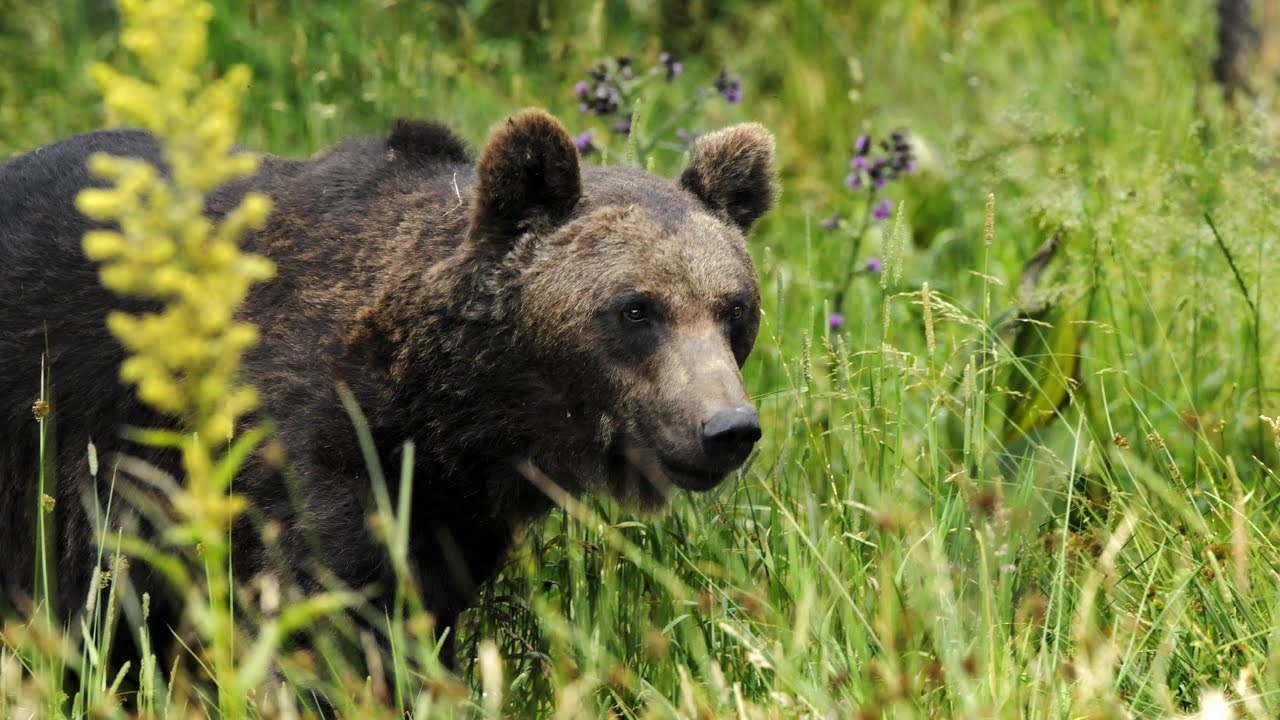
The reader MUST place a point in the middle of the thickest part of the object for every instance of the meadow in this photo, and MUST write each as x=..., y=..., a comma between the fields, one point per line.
x=1021, y=422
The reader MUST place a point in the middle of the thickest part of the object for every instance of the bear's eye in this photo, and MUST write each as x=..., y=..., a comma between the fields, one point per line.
x=635, y=312
x=737, y=311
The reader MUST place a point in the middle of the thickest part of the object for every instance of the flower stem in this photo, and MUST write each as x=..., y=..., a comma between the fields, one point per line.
x=656, y=137
x=851, y=268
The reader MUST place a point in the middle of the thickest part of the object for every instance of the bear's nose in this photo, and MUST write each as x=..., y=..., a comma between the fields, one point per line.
x=729, y=434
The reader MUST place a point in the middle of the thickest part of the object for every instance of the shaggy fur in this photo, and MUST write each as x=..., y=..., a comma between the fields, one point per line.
x=519, y=312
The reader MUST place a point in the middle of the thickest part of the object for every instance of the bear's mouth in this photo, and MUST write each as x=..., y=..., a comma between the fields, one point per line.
x=647, y=469
x=690, y=478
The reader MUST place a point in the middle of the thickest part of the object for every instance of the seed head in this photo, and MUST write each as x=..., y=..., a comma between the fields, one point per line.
x=926, y=301
x=989, y=226
x=1274, y=424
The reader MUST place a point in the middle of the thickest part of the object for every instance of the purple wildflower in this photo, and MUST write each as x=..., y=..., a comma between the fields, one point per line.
x=601, y=94
x=882, y=209
x=729, y=86
x=622, y=126
x=835, y=321
x=853, y=181
x=901, y=158
x=672, y=66
x=874, y=265
x=688, y=137
x=831, y=223
x=885, y=167
x=585, y=142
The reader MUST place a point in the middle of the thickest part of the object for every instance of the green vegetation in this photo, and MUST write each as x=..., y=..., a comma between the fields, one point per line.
x=1000, y=488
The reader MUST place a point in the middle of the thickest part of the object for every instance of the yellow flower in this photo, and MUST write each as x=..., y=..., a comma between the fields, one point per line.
x=185, y=357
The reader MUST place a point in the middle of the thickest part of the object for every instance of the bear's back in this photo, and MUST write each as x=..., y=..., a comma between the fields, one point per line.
x=51, y=302
x=38, y=189
x=50, y=297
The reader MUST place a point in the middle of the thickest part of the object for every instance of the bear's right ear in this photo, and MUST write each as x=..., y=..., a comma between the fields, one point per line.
x=731, y=172
x=528, y=177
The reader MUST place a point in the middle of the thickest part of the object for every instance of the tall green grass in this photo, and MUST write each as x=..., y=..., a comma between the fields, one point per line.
x=901, y=545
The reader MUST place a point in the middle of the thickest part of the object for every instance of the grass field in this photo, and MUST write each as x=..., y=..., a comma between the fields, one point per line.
x=999, y=488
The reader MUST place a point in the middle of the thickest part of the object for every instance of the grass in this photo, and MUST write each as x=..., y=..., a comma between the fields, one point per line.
x=928, y=529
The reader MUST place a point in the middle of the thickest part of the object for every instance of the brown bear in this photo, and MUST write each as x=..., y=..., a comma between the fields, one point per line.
x=520, y=315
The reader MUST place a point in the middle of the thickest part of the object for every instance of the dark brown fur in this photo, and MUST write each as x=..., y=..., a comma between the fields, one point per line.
x=487, y=313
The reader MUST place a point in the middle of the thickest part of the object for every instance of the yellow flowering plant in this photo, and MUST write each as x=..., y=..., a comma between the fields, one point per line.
x=184, y=358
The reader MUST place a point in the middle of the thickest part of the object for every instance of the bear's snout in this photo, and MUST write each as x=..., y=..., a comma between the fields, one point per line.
x=728, y=435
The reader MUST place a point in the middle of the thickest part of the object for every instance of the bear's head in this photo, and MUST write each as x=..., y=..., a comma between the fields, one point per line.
x=637, y=301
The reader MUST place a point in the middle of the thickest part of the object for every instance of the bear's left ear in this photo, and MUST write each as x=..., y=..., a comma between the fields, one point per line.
x=731, y=172
x=527, y=177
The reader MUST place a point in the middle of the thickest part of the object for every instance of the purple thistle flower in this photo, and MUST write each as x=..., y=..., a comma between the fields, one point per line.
x=729, y=87
x=882, y=209
x=831, y=223
x=672, y=66
x=887, y=166
x=874, y=265
x=600, y=95
x=585, y=142
x=835, y=321
x=622, y=126
x=853, y=181
x=688, y=137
